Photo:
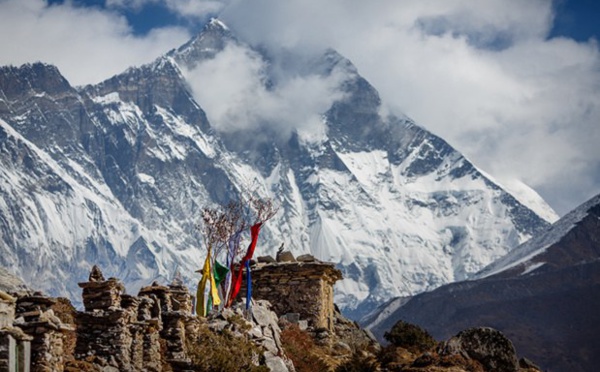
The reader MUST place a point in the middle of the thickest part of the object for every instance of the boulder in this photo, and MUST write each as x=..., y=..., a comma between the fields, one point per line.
x=265, y=259
x=263, y=316
x=285, y=256
x=486, y=345
x=275, y=363
x=306, y=258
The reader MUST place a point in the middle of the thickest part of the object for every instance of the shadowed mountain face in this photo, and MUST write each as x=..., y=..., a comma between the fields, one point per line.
x=544, y=296
x=116, y=174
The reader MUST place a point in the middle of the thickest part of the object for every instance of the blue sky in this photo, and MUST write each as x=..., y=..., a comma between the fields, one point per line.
x=577, y=19
x=149, y=16
x=512, y=84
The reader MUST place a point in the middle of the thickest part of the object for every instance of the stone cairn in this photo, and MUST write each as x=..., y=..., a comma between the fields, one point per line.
x=116, y=331
x=121, y=332
x=34, y=315
x=174, y=307
x=302, y=288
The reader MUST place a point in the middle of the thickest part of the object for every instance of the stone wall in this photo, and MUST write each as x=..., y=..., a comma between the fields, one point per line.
x=36, y=318
x=15, y=345
x=126, y=332
x=305, y=288
x=148, y=332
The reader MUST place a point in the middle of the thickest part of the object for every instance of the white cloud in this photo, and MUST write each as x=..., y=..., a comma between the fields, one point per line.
x=86, y=44
x=233, y=90
x=482, y=75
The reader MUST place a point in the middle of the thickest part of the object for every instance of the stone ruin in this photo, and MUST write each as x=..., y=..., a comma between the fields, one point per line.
x=115, y=332
x=31, y=336
x=298, y=289
x=120, y=332
x=126, y=333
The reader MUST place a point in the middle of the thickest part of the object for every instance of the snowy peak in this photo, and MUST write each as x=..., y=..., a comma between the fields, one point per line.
x=31, y=79
x=216, y=24
x=132, y=161
x=32, y=100
x=552, y=247
x=209, y=42
x=528, y=197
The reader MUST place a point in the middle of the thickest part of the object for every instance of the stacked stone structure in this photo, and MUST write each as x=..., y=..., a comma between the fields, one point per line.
x=126, y=332
x=14, y=343
x=36, y=318
x=148, y=332
x=303, y=286
x=173, y=306
x=104, y=335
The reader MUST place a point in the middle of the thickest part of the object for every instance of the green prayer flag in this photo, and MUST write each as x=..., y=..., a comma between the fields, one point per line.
x=219, y=272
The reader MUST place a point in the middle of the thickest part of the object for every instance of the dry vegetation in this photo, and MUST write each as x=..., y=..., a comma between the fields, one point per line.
x=301, y=349
x=212, y=352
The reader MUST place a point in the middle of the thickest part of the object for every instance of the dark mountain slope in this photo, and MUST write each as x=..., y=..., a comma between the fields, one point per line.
x=545, y=299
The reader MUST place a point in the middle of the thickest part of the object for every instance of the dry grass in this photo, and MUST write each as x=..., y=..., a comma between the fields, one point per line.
x=210, y=351
x=301, y=349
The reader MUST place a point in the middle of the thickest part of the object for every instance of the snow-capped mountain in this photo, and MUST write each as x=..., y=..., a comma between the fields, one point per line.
x=116, y=174
x=544, y=294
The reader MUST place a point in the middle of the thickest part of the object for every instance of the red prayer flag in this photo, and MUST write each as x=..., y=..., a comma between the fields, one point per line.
x=236, y=283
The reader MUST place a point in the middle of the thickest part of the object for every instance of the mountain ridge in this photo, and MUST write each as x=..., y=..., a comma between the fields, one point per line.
x=533, y=252
x=396, y=207
x=543, y=300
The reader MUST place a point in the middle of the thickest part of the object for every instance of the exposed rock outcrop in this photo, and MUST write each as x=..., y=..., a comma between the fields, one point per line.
x=488, y=346
x=260, y=325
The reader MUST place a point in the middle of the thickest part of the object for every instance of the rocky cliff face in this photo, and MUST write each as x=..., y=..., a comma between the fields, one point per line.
x=115, y=174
